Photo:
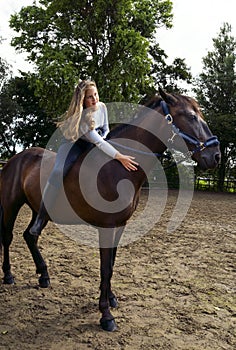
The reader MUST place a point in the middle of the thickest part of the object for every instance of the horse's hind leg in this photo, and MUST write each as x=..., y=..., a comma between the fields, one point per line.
x=41, y=267
x=6, y=228
x=6, y=266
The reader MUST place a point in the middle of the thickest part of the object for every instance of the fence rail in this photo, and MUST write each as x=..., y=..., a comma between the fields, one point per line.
x=209, y=184
x=200, y=183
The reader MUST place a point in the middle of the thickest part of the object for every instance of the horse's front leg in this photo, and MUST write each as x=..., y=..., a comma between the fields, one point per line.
x=107, y=321
x=106, y=241
x=118, y=234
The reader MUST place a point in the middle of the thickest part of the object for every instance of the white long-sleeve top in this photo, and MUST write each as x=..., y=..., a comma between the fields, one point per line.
x=100, y=118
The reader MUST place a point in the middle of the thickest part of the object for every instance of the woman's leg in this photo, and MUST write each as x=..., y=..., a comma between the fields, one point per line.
x=67, y=155
x=64, y=160
x=49, y=196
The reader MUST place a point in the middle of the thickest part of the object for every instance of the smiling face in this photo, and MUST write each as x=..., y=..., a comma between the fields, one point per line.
x=91, y=98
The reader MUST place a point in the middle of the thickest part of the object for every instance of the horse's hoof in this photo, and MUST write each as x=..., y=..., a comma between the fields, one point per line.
x=108, y=325
x=113, y=302
x=44, y=282
x=8, y=279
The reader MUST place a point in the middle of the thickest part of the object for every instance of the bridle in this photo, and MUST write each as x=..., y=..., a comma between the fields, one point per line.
x=200, y=146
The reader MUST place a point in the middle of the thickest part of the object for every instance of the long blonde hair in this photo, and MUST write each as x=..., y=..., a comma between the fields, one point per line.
x=69, y=124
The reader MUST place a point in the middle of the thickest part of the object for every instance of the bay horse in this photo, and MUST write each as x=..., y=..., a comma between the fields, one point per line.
x=170, y=118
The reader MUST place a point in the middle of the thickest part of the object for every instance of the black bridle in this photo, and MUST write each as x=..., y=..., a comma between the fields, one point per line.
x=200, y=146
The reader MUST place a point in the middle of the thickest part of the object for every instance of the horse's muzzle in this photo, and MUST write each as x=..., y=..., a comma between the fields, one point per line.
x=208, y=159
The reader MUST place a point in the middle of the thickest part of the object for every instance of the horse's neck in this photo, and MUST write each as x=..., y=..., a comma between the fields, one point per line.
x=149, y=130
x=142, y=140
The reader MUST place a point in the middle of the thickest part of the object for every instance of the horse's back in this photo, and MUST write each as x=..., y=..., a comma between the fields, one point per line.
x=25, y=174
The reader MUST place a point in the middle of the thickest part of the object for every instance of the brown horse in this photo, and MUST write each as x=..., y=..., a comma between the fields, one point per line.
x=167, y=118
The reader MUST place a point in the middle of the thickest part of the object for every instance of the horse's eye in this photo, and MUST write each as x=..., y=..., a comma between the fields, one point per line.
x=193, y=117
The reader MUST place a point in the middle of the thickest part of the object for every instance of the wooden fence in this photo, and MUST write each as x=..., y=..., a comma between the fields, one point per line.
x=209, y=184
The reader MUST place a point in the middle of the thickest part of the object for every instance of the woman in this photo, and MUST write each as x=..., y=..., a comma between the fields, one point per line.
x=84, y=124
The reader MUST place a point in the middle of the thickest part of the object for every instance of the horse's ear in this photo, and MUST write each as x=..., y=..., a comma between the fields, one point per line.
x=168, y=98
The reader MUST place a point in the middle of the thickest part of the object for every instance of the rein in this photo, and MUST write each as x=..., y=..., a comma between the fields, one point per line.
x=150, y=154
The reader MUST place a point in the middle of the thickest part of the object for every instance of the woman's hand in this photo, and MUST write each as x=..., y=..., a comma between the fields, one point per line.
x=127, y=161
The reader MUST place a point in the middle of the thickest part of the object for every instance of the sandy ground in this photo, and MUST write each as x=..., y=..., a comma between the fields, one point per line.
x=175, y=291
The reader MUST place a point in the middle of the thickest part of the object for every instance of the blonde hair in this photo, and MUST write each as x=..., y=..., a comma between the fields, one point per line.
x=71, y=119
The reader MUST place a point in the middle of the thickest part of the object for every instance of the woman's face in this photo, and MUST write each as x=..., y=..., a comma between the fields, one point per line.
x=91, y=98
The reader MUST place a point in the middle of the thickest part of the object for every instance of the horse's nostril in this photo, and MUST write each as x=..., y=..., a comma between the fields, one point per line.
x=217, y=157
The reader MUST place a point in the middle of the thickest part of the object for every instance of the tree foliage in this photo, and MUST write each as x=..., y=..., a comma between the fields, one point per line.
x=216, y=92
x=23, y=123
x=5, y=70
x=169, y=76
x=9, y=110
x=113, y=42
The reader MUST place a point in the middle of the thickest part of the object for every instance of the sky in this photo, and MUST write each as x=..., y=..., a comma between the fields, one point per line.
x=195, y=24
x=18, y=61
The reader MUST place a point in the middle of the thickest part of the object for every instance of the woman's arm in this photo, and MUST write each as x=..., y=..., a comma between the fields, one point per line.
x=105, y=126
x=93, y=137
x=127, y=161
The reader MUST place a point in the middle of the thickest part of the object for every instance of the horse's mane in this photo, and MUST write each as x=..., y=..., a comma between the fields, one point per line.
x=116, y=130
x=153, y=103
x=182, y=99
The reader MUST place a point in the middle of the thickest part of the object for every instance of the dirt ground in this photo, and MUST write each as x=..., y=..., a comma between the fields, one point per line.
x=175, y=291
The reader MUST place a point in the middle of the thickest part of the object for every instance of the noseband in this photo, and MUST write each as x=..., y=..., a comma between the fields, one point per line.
x=200, y=146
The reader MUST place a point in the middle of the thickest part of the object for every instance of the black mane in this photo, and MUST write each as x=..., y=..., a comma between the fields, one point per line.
x=153, y=103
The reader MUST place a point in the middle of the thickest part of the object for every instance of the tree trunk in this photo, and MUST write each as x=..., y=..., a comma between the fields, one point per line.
x=221, y=172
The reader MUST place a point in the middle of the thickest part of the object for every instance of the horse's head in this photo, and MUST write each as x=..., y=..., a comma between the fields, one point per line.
x=187, y=121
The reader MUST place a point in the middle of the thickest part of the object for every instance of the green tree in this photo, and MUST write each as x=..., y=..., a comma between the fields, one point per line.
x=216, y=92
x=9, y=110
x=5, y=70
x=169, y=77
x=111, y=41
x=35, y=126
x=23, y=123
